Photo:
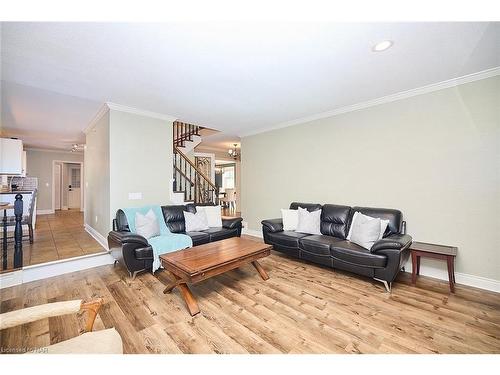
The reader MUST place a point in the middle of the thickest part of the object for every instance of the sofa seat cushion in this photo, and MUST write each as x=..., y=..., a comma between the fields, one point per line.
x=220, y=233
x=287, y=238
x=199, y=238
x=349, y=252
x=318, y=244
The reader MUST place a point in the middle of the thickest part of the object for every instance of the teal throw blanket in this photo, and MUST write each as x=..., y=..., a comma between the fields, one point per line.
x=166, y=242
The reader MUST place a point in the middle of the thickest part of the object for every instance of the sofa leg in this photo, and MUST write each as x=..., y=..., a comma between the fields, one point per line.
x=387, y=285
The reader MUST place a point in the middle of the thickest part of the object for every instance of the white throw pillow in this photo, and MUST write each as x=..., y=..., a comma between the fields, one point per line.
x=195, y=222
x=290, y=219
x=309, y=222
x=365, y=232
x=214, y=215
x=147, y=225
x=383, y=225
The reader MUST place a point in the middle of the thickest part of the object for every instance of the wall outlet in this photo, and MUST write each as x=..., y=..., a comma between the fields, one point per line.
x=134, y=196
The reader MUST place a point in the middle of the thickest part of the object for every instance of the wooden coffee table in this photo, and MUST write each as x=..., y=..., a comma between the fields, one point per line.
x=202, y=262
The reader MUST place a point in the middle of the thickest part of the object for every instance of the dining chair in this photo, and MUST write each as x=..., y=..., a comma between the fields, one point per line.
x=230, y=198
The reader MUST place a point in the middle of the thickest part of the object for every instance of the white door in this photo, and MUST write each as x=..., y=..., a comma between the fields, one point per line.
x=74, y=191
x=57, y=186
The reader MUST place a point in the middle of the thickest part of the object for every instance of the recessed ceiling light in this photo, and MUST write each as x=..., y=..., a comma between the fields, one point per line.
x=382, y=46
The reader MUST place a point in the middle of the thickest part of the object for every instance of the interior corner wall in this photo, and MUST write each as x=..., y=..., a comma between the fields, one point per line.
x=141, y=160
x=434, y=156
x=96, y=177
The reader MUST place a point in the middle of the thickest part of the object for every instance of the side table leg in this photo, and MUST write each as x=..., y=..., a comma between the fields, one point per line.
x=413, y=268
x=418, y=265
x=449, y=261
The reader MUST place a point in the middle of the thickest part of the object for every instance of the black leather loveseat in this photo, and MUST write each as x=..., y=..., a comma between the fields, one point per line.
x=382, y=262
x=134, y=251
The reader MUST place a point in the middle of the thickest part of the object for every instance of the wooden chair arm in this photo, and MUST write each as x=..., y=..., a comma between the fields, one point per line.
x=92, y=308
x=32, y=314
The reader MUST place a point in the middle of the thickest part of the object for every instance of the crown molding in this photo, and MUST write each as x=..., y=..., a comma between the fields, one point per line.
x=382, y=100
x=136, y=111
x=53, y=150
x=102, y=111
x=106, y=107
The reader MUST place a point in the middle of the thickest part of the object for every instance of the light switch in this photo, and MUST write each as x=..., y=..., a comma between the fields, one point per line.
x=134, y=196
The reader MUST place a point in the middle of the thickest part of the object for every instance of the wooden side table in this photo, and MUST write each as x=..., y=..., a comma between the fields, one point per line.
x=429, y=250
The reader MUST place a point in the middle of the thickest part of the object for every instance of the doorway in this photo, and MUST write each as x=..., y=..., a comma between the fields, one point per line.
x=67, y=192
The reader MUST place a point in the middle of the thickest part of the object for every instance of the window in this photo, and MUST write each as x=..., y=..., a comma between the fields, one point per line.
x=75, y=178
x=228, y=177
x=225, y=175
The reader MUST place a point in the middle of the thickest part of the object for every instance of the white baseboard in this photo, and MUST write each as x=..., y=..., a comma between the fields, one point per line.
x=45, y=212
x=9, y=279
x=55, y=268
x=64, y=208
x=97, y=236
x=460, y=278
x=437, y=273
x=251, y=232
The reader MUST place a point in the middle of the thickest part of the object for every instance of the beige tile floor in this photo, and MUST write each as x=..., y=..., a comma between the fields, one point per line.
x=57, y=236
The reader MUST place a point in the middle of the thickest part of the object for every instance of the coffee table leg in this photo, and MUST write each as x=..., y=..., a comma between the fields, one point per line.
x=262, y=272
x=191, y=303
x=186, y=294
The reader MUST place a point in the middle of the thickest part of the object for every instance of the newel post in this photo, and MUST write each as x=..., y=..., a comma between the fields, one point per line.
x=18, y=232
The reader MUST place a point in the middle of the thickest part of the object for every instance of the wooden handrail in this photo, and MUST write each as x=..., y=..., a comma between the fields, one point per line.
x=183, y=175
x=198, y=170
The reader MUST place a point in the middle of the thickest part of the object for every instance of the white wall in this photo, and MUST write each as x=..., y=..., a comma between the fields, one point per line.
x=141, y=160
x=96, y=177
x=436, y=157
x=39, y=164
x=126, y=153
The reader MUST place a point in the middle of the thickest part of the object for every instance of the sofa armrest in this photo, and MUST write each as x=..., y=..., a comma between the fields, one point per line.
x=144, y=253
x=128, y=237
x=231, y=223
x=394, y=242
x=273, y=225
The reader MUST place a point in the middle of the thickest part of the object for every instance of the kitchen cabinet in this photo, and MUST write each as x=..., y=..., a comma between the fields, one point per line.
x=11, y=156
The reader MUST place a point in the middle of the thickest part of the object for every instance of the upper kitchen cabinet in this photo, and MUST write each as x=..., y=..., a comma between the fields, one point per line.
x=11, y=156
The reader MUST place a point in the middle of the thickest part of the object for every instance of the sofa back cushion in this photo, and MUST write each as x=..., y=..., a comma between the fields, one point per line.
x=308, y=206
x=121, y=222
x=174, y=216
x=335, y=220
x=395, y=217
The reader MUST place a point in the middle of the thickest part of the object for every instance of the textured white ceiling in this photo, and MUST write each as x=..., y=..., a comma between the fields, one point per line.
x=235, y=77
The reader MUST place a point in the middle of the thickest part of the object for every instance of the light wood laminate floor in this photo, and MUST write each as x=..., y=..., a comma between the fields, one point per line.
x=57, y=236
x=302, y=308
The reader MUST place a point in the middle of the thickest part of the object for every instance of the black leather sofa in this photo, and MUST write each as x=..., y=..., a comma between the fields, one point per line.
x=134, y=252
x=382, y=262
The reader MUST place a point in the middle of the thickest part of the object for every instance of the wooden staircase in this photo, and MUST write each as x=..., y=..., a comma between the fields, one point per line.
x=188, y=178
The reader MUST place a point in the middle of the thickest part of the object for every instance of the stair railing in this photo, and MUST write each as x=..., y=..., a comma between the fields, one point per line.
x=184, y=132
x=188, y=178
